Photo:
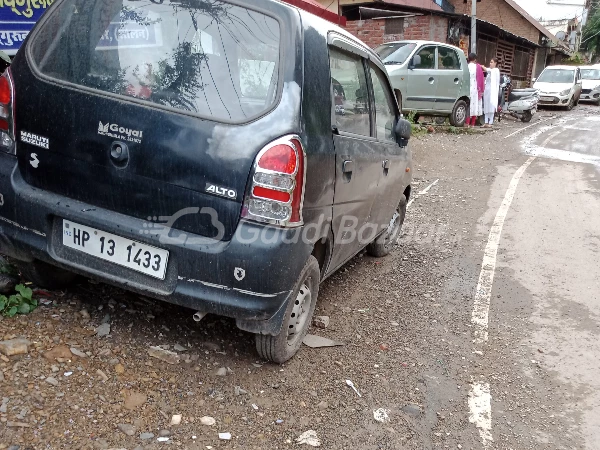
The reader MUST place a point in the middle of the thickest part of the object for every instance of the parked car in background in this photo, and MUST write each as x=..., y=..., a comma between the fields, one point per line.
x=559, y=86
x=233, y=195
x=590, y=77
x=429, y=78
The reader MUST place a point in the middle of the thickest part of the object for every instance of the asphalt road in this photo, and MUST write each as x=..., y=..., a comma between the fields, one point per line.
x=479, y=331
x=533, y=296
x=548, y=268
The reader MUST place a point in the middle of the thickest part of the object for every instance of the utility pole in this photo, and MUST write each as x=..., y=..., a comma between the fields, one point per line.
x=474, y=26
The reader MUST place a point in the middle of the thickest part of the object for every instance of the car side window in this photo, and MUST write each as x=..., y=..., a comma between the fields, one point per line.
x=350, y=93
x=385, y=113
x=427, y=55
x=448, y=59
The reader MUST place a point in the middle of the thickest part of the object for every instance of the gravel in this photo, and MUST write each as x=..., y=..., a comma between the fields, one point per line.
x=415, y=303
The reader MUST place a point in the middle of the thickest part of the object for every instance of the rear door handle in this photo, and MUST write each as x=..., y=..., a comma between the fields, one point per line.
x=431, y=80
x=348, y=166
x=456, y=81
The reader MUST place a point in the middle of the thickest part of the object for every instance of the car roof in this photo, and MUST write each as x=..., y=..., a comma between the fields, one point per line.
x=596, y=67
x=561, y=67
x=421, y=42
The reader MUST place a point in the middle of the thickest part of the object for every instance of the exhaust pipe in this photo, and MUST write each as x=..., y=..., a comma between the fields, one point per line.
x=198, y=316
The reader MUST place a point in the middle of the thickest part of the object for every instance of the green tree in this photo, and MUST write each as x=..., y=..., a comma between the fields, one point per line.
x=590, y=36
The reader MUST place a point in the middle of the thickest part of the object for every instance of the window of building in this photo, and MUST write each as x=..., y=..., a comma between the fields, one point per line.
x=394, y=26
x=521, y=64
x=486, y=50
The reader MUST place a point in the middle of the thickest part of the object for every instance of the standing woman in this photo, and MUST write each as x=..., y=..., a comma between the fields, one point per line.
x=477, y=88
x=490, y=95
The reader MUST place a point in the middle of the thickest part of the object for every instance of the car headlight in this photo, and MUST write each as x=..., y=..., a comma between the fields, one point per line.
x=565, y=92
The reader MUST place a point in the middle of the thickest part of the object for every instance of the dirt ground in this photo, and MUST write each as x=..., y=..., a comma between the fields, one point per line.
x=405, y=321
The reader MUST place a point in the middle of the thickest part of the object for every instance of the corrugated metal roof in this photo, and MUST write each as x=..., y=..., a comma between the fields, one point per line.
x=423, y=4
x=314, y=7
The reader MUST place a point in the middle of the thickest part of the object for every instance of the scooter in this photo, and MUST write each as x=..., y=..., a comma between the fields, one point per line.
x=522, y=103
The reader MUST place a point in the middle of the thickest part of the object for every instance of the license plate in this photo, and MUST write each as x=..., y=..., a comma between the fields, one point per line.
x=547, y=99
x=116, y=249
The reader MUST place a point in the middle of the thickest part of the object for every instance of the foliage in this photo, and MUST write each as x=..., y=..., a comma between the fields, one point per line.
x=577, y=59
x=418, y=130
x=590, y=35
x=22, y=302
x=411, y=116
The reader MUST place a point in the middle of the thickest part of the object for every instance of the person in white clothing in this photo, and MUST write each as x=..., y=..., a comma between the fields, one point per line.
x=477, y=81
x=490, y=95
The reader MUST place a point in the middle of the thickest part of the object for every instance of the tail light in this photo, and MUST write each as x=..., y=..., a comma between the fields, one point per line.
x=7, y=124
x=276, y=190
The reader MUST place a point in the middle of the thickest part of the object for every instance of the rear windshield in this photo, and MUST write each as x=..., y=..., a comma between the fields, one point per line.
x=206, y=57
x=395, y=53
x=557, y=76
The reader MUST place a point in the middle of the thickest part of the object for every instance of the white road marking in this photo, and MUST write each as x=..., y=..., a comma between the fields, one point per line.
x=481, y=307
x=532, y=125
x=426, y=190
x=480, y=406
x=576, y=128
x=564, y=155
x=483, y=293
x=423, y=192
x=480, y=398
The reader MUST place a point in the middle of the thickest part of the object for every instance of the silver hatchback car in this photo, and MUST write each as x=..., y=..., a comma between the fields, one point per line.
x=429, y=78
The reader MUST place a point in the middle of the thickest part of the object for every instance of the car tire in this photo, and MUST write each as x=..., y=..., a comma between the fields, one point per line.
x=527, y=116
x=384, y=243
x=297, y=319
x=440, y=120
x=459, y=114
x=571, y=104
x=45, y=275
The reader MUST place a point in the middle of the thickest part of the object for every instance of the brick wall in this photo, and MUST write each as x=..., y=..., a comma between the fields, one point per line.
x=501, y=14
x=372, y=31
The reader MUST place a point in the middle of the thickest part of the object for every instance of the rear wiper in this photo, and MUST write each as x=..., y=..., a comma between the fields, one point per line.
x=387, y=63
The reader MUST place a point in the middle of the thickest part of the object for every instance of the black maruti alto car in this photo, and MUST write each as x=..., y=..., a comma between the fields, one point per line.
x=225, y=156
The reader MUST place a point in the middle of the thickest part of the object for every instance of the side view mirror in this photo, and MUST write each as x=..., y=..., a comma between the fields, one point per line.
x=403, y=130
x=414, y=62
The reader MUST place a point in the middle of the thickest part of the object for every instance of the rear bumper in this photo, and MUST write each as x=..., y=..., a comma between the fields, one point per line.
x=200, y=274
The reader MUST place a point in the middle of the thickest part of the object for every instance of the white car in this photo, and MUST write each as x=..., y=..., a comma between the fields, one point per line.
x=559, y=86
x=590, y=76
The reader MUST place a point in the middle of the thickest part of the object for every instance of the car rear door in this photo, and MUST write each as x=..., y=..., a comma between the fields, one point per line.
x=155, y=110
x=358, y=157
x=449, y=78
x=422, y=80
